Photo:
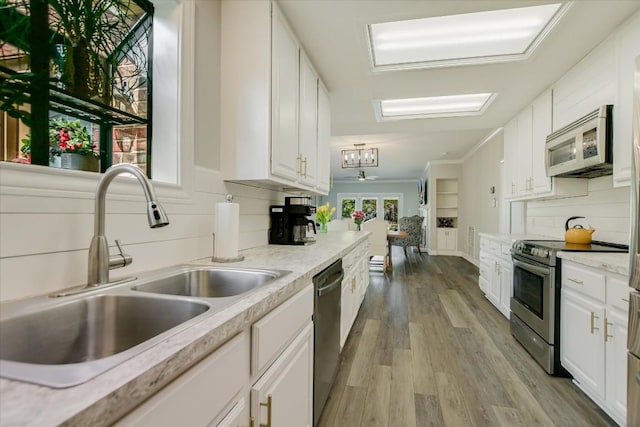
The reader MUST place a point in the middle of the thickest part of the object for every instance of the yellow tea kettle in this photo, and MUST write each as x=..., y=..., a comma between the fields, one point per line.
x=577, y=234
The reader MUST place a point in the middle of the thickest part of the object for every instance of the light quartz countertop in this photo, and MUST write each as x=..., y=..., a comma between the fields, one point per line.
x=617, y=263
x=107, y=397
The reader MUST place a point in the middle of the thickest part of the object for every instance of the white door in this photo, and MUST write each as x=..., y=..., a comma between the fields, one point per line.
x=616, y=363
x=494, y=283
x=308, y=142
x=510, y=158
x=284, y=100
x=285, y=391
x=524, y=147
x=582, y=342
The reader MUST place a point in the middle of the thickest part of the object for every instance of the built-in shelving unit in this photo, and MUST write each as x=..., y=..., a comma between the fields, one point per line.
x=447, y=203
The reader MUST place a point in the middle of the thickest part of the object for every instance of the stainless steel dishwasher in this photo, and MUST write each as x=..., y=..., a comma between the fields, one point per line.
x=326, y=322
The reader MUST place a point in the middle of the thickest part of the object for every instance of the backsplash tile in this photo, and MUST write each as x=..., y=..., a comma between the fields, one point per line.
x=605, y=208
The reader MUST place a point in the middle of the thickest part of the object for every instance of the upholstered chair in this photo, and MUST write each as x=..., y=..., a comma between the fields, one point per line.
x=413, y=226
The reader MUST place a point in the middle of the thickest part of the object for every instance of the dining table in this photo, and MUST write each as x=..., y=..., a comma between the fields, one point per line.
x=391, y=234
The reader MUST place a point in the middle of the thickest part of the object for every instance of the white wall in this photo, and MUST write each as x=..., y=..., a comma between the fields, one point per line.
x=605, y=208
x=46, y=215
x=478, y=207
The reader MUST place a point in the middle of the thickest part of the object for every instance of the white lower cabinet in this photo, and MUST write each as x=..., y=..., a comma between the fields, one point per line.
x=354, y=287
x=593, y=322
x=263, y=373
x=496, y=273
x=283, y=396
x=447, y=239
x=201, y=396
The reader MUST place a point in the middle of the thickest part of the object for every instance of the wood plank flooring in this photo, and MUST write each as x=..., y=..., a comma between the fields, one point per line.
x=427, y=349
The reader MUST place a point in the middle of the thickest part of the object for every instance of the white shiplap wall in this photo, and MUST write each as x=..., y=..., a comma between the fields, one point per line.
x=605, y=208
x=45, y=234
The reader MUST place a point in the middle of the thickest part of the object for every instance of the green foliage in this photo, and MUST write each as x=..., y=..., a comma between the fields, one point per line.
x=348, y=207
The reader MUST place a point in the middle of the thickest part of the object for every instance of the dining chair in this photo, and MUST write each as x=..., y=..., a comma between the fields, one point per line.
x=413, y=226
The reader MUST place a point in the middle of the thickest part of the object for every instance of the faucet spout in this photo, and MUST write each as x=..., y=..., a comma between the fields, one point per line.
x=98, y=268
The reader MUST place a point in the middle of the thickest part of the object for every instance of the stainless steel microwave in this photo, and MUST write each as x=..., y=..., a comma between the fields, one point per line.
x=584, y=148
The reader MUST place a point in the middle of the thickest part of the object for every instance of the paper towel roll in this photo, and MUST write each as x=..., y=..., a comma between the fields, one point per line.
x=227, y=230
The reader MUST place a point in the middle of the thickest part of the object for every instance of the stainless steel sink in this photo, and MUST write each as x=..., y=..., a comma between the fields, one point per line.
x=210, y=282
x=70, y=342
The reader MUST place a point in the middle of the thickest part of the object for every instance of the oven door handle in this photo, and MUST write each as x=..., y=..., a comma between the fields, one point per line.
x=532, y=268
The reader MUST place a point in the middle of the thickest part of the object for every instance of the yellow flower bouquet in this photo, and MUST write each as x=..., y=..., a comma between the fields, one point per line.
x=323, y=216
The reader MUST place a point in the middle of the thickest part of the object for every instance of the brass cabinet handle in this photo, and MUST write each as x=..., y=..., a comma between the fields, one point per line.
x=593, y=322
x=579, y=282
x=606, y=330
x=299, y=159
x=304, y=161
x=269, y=407
x=252, y=422
x=513, y=188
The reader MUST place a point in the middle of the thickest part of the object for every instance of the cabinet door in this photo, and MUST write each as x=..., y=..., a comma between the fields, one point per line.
x=238, y=416
x=510, y=158
x=525, y=123
x=582, y=343
x=452, y=239
x=541, y=127
x=494, y=283
x=324, y=139
x=616, y=363
x=287, y=386
x=308, y=142
x=284, y=100
x=506, y=287
x=346, y=310
x=628, y=50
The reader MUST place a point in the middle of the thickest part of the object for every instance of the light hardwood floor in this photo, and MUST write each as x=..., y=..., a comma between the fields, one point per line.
x=427, y=349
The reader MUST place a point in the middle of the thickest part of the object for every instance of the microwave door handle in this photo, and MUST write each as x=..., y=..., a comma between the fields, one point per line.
x=532, y=268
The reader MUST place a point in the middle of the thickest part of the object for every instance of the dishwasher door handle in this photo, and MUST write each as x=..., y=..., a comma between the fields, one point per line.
x=331, y=286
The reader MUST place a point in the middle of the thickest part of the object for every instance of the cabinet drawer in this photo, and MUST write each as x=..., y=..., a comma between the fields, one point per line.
x=584, y=280
x=495, y=247
x=274, y=331
x=199, y=395
x=484, y=257
x=618, y=293
x=505, y=251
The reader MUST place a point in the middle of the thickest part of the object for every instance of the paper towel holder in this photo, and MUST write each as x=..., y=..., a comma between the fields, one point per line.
x=216, y=259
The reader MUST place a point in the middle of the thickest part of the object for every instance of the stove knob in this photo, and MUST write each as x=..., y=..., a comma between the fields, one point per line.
x=535, y=251
x=545, y=253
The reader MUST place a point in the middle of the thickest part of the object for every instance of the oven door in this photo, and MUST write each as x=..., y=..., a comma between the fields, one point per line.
x=533, y=296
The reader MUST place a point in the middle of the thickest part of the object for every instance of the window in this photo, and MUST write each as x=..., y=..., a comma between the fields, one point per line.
x=347, y=207
x=370, y=208
x=88, y=94
x=387, y=206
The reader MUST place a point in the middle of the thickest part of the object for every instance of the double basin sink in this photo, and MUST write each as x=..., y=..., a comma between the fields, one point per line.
x=61, y=342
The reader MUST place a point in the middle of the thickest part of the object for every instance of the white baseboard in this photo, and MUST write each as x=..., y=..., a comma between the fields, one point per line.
x=471, y=259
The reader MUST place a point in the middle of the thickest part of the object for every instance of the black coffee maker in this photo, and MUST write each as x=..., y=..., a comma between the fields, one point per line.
x=290, y=222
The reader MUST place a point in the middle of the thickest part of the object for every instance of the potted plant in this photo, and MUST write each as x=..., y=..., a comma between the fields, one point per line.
x=70, y=141
x=70, y=147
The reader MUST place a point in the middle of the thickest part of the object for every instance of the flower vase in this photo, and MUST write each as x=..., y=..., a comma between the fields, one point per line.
x=323, y=227
x=80, y=162
x=359, y=227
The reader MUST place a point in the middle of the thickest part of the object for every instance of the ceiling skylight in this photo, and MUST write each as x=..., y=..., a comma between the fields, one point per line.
x=434, y=106
x=470, y=38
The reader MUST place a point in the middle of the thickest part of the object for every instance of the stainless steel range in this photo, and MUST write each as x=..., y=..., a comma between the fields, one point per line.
x=535, y=305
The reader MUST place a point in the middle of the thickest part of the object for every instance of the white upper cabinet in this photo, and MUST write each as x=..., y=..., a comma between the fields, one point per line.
x=324, y=140
x=269, y=107
x=284, y=100
x=524, y=156
x=308, y=136
x=628, y=49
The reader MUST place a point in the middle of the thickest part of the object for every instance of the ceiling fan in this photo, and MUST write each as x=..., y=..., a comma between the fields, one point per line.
x=362, y=177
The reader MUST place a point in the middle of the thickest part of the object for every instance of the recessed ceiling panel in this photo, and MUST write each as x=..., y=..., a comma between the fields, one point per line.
x=470, y=38
x=434, y=106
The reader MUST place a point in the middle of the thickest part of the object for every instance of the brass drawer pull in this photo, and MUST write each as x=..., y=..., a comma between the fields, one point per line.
x=606, y=330
x=579, y=282
x=269, y=407
x=593, y=322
